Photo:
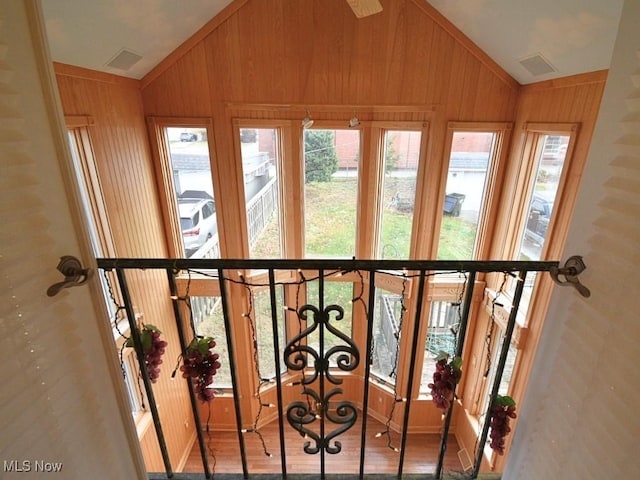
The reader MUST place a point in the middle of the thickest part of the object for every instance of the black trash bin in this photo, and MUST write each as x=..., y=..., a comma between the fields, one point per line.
x=453, y=204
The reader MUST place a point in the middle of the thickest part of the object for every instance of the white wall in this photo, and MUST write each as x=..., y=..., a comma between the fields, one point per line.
x=581, y=415
x=58, y=404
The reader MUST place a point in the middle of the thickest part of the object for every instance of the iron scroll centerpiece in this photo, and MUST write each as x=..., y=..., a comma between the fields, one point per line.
x=320, y=404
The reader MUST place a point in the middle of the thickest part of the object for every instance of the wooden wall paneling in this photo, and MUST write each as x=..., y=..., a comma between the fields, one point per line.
x=124, y=167
x=463, y=40
x=320, y=55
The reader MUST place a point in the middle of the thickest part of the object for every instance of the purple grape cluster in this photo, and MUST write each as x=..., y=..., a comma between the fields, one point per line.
x=153, y=355
x=445, y=378
x=503, y=409
x=152, y=349
x=200, y=364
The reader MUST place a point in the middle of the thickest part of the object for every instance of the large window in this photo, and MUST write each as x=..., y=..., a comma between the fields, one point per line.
x=469, y=163
x=473, y=155
x=260, y=168
x=193, y=189
x=330, y=192
x=550, y=154
x=401, y=158
x=547, y=154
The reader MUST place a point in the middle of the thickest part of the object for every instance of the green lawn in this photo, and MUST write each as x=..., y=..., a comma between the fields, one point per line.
x=330, y=227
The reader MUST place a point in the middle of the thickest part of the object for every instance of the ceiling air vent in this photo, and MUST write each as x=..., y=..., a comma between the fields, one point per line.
x=537, y=65
x=124, y=60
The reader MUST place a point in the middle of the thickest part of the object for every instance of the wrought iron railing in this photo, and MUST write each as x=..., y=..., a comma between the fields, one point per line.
x=324, y=366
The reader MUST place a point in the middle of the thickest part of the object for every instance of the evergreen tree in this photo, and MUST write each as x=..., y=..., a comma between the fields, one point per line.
x=321, y=159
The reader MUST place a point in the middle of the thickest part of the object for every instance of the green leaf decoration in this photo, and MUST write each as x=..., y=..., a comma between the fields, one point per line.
x=505, y=401
x=200, y=344
x=457, y=363
x=442, y=355
x=145, y=337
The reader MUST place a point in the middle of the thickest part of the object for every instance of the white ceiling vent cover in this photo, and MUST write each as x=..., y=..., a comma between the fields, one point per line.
x=537, y=65
x=124, y=60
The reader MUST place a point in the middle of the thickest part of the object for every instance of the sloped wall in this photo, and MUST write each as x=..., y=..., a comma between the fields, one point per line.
x=580, y=416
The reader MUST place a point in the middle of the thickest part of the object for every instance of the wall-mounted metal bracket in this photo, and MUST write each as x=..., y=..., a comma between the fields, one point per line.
x=572, y=268
x=73, y=272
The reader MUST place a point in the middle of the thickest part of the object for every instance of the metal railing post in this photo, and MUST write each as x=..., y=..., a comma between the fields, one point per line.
x=511, y=322
x=173, y=288
x=276, y=348
x=137, y=342
x=459, y=347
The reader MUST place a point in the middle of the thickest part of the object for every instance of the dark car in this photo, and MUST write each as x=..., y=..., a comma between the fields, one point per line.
x=188, y=137
x=539, y=215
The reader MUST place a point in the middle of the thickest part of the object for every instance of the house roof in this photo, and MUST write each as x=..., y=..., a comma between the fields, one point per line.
x=572, y=36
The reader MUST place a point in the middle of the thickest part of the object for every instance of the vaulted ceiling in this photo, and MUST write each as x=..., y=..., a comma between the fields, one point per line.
x=566, y=36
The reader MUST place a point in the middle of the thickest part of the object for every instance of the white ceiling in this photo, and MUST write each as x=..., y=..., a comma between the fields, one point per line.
x=574, y=36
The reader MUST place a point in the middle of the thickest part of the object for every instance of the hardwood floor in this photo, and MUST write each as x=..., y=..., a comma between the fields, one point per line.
x=421, y=453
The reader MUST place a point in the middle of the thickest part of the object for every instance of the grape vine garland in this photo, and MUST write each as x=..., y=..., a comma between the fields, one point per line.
x=200, y=364
x=152, y=349
x=502, y=410
x=445, y=379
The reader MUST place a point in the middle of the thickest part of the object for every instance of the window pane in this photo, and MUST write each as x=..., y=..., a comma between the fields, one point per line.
x=209, y=322
x=507, y=373
x=549, y=163
x=444, y=318
x=331, y=192
x=401, y=157
x=387, y=321
x=264, y=331
x=259, y=166
x=189, y=158
x=551, y=152
x=464, y=199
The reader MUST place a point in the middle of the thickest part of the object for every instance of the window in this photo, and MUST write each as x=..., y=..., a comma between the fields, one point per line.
x=182, y=148
x=97, y=222
x=473, y=153
x=444, y=320
x=260, y=167
x=387, y=323
x=330, y=192
x=135, y=392
x=193, y=189
x=264, y=332
x=400, y=171
x=208, y=321
x=548, y=166
x=547, y=152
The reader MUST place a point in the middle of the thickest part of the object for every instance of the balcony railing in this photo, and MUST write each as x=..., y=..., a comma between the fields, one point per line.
x=321, y=366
